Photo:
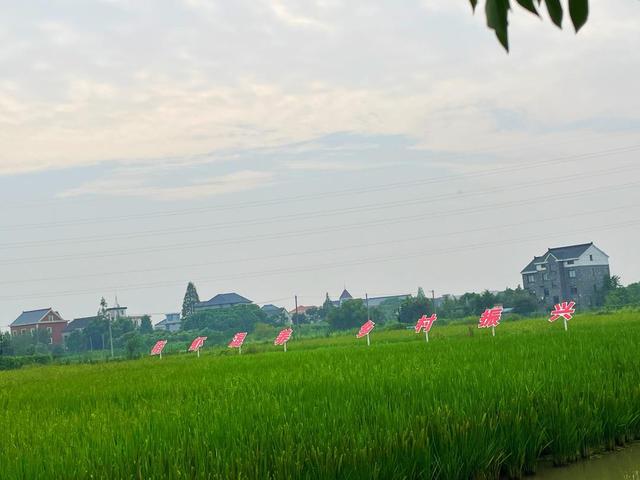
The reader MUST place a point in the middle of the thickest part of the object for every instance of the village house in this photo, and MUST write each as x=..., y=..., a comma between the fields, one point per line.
x=222, y=300
x=300, y=310
x=116, y=312
x=77, y=325
x=171, y=323
x=45, y=318
x=373, y=301
x=137, y=319
x=573, y=273
x=273, y=311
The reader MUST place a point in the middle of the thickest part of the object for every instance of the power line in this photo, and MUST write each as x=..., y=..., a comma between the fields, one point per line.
x=318, y=251
x=311, y=268
x=426, y=181
x=322, y=213
x=460, y=211
x=490, y=149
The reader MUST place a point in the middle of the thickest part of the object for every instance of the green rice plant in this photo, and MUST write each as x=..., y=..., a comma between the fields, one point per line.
x=458, y=407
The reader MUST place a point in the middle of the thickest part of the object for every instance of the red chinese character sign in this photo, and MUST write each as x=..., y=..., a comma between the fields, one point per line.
x=197, y=344
x=491, y=318
x=365, y=330
x=564, y=310
x=425, y=323
x=238, y=340
x=158, y=347
x=283, y=337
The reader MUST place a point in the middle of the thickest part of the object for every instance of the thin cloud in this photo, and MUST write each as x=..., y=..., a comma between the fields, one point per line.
x=334, y=166
x=242, y=81
x=127, y=185
x=285, y=15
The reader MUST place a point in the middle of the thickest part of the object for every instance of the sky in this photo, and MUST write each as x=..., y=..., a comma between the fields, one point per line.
x=276, y=148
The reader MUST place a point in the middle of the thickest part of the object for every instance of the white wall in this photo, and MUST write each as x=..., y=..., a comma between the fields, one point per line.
x=599, y=258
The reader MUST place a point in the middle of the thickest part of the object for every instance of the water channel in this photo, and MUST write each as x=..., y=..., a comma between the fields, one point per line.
x=622, y=464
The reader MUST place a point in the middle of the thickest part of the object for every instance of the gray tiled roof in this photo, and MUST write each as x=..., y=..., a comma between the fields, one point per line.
x=345, y=295
x=31, y=317
x=271, y=308
x=561, y=253
x=78, y=324
x=375, y=301
x=572, y=251
x=170, y=321
x=532, y=265
x=224, y=299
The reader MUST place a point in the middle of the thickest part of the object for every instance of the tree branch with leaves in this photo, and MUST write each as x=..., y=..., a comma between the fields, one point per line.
x=497, y=13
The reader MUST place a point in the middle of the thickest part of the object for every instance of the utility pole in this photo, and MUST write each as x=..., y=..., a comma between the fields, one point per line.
x=110, y=337
x=366, y=296
x=295, y=311
x=433, y=299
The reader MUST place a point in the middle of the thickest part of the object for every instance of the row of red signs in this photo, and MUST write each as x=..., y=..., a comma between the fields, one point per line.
x=490, y=318
x=237, y=341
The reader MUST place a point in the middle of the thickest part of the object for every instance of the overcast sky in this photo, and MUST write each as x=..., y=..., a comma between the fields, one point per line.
x=274, y=148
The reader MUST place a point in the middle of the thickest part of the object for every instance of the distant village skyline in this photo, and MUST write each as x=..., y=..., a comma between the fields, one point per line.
x=146, y=145
x=574, y=272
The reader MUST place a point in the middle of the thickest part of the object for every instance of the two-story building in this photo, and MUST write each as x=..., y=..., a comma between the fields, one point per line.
x=575, y=272
x=45, y=318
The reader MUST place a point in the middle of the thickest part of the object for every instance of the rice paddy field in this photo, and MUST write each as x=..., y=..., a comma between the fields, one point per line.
x=458, y=407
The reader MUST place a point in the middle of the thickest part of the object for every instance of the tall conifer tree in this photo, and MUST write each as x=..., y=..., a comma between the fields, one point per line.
x=190, y=300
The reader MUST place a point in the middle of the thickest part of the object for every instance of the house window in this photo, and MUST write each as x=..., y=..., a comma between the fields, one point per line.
x=23, y=331
x=546, y=292
x=545, y=276
x=570, y=262
x=591, y=257
x=572, y=274
x=574, y=290
x=556, y=299
x=532, y=279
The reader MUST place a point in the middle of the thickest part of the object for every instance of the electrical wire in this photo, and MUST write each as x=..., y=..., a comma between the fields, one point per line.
x=555, y=180
x=429, y=236
x=312, y=268
x=234, y=207
x=459, y=211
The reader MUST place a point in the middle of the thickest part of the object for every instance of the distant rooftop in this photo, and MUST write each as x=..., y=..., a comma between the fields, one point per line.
x=31, y=317
x=79, y=323
x=345, y=295
x=569, y=252
x=224, y=299
x=572, y=251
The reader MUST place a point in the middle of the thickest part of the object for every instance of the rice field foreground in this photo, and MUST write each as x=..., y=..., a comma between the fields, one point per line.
x=460, y=407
